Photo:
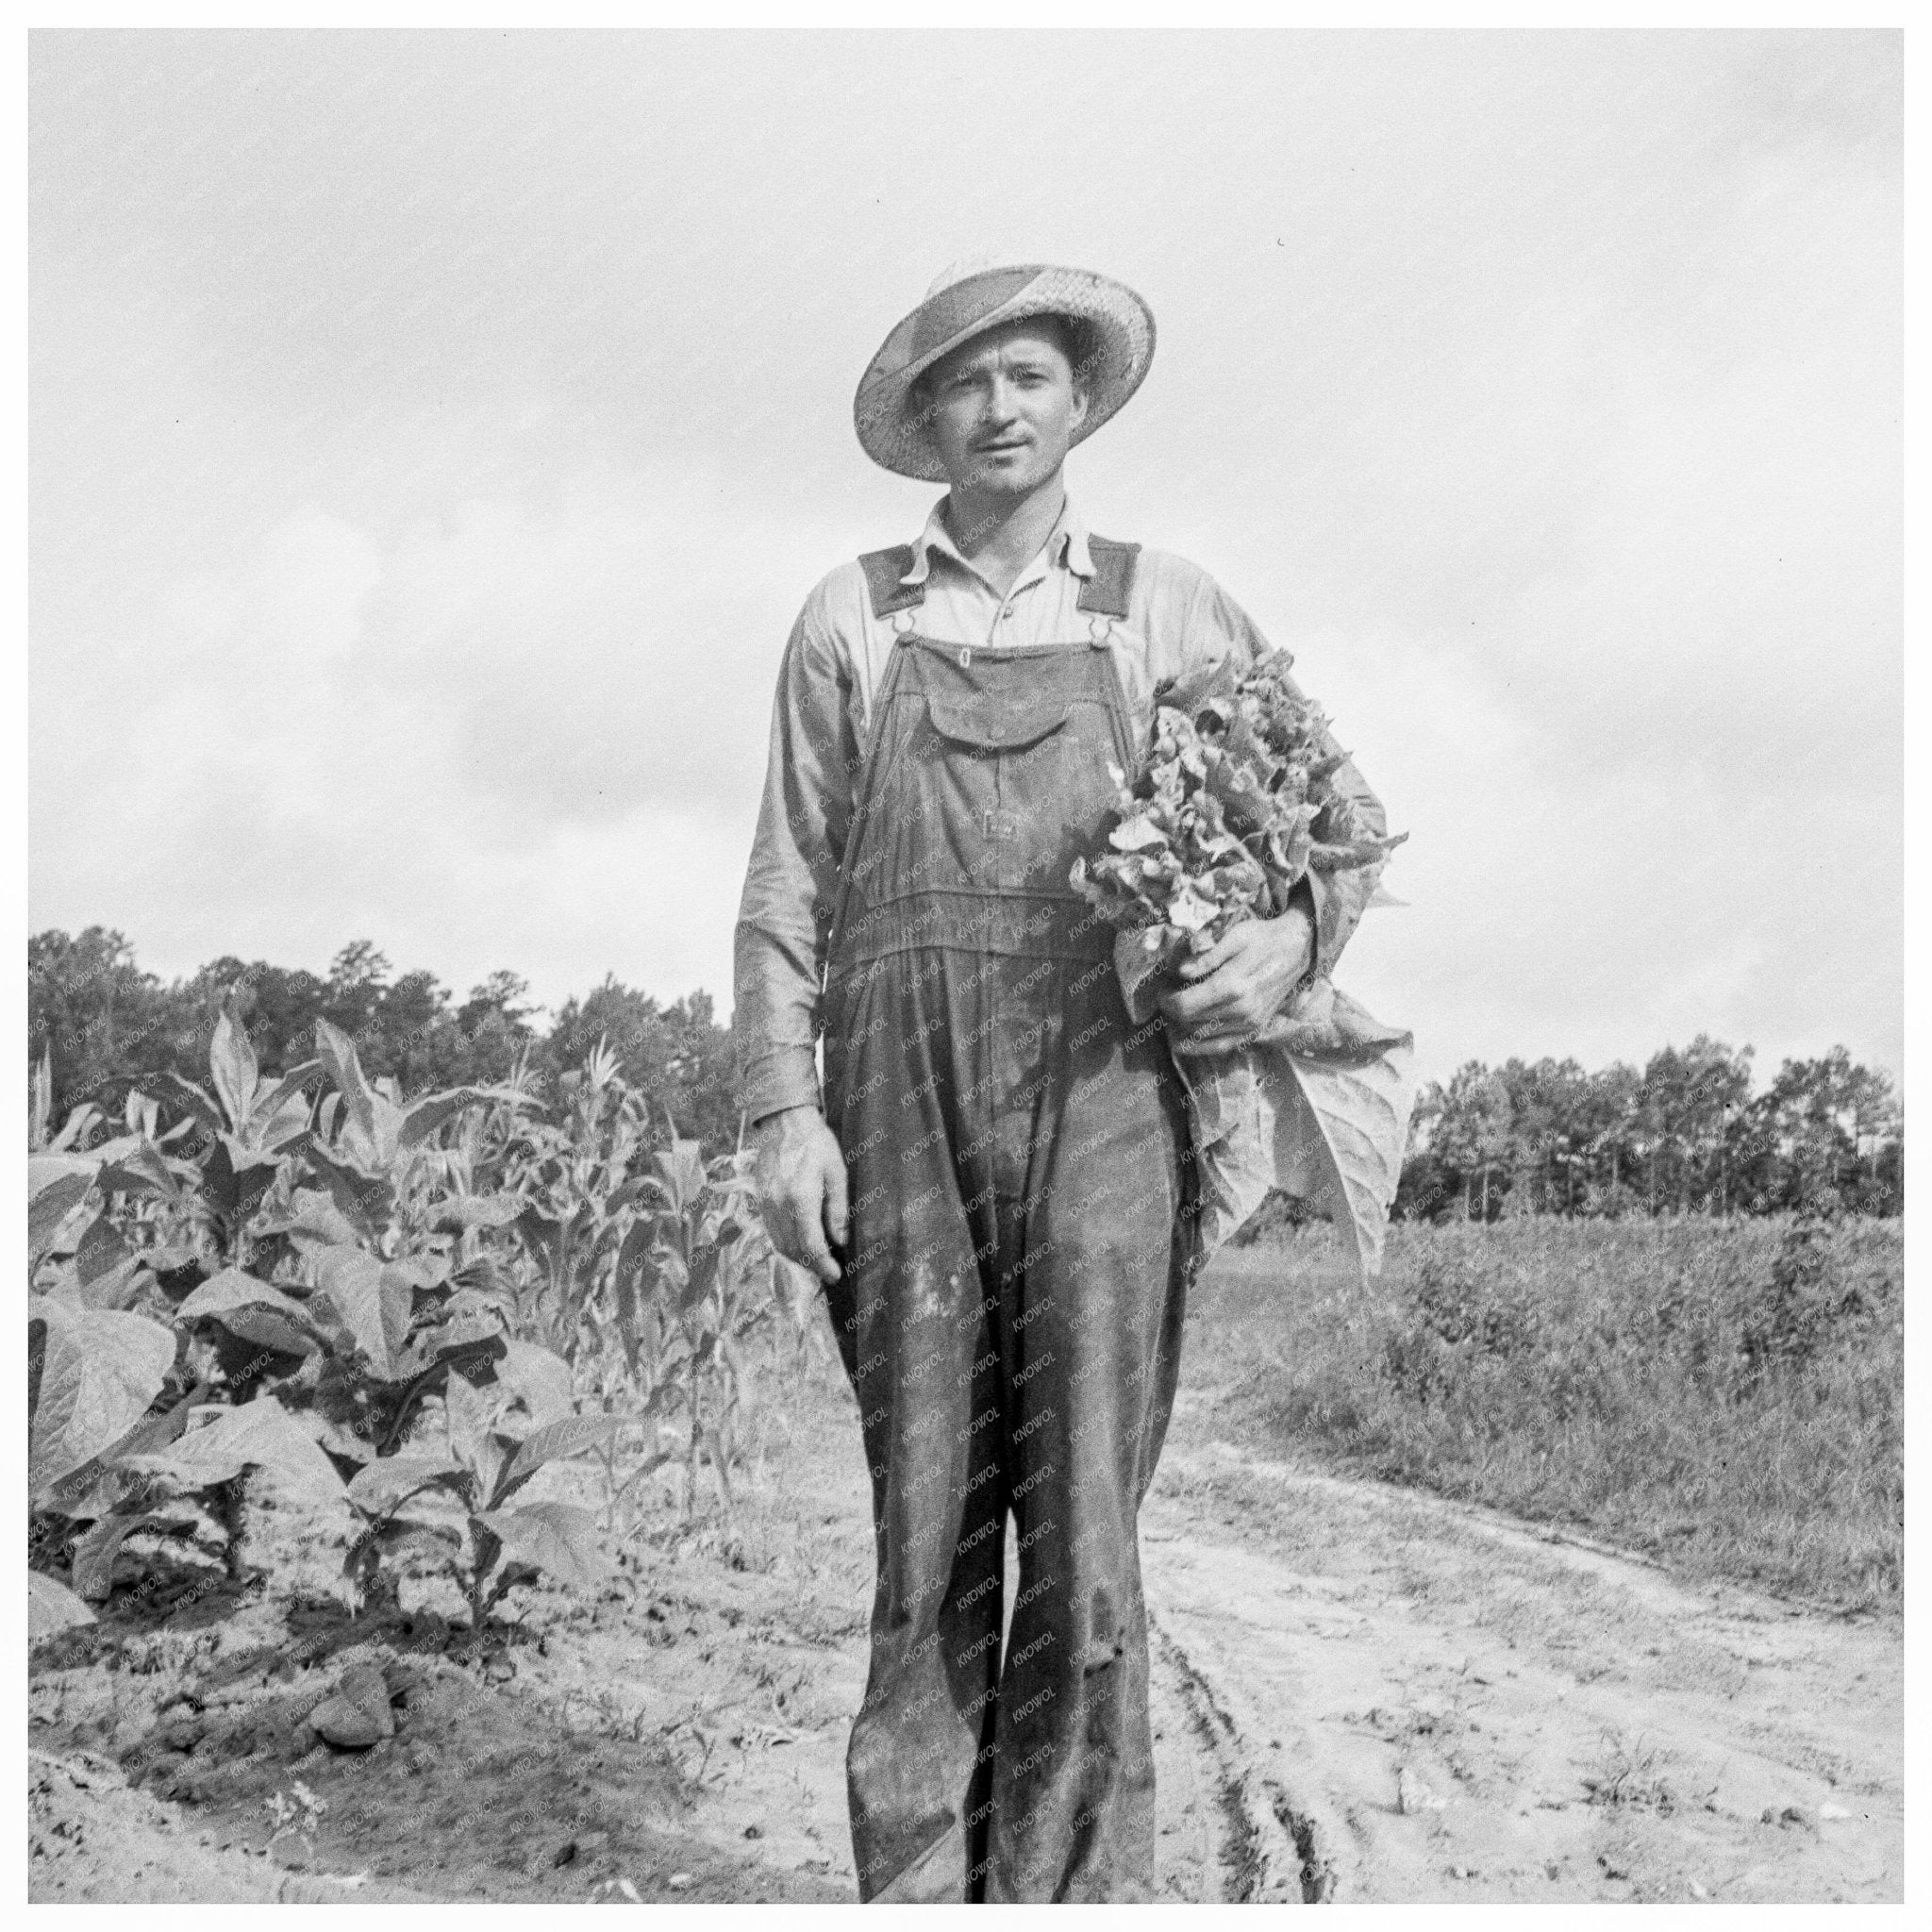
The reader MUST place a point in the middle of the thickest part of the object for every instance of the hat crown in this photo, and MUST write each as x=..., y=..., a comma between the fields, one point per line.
x=966, y=267
x=965, y=294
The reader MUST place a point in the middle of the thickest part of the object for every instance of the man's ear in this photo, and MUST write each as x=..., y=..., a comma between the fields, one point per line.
x=1080, y=400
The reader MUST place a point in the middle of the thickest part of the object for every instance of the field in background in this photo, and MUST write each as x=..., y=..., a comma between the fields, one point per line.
x=1727, y=1396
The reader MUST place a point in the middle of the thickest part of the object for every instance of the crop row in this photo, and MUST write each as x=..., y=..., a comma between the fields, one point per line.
x=408, y=1307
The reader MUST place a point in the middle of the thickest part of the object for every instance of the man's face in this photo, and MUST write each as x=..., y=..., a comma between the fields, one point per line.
x=1004, y=410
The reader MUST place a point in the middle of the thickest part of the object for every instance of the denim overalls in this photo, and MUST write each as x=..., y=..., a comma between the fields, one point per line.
x=1023, y=1230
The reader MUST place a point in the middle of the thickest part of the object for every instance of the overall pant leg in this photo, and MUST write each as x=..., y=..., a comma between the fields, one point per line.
x=918, y=1336
x=1092, y=1353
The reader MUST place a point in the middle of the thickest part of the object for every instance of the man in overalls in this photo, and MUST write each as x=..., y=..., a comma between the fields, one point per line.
x=997, y=1191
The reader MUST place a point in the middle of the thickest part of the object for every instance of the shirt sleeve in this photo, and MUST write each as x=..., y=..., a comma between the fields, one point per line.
x=785, y=914
x=1218, y=627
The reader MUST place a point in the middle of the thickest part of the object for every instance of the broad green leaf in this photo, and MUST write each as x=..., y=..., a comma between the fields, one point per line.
x=141, y=1170
x=234, y=1178
x=466, y=1342
x=458, y=1213
x=422, y=1119
x=253, y=1309
x=559, y=1538
x=235, y=1071
x=197, y=1101
x=471, y=1417
x=51, y=1608
x=1359, y=1116
x=567, y=1437
x=101, y=1251
x=1320, y=1108
x=344, y=1444
x=101, y=1369
x=389, y=1479
x=423, y=1271
x=48, y=1210
x=402, y=1536
x=542, y=1379
x=315, y=1221
x=372, y=1118
x=281, y=1112
x=101, y=1484
x=95, y=1553
x=372, y=1299
x=44, y=1170
x=261, y=1434
x=118, y=1288
x=367, y=1200
x=429, y=1378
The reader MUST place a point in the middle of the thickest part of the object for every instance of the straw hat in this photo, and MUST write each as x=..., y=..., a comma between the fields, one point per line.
x=966, y=300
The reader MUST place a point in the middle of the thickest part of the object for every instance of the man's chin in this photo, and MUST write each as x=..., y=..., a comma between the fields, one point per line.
x=1006, y=479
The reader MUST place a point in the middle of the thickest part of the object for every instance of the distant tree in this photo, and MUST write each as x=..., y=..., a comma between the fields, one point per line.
x=1608, y=1129
x=1688, y=1098
x=1545, y=1108
x=358, y=977
x=103, y=1023
x=503, y=995
x=1833, y=1122
x=1474, y=1137
x=676, y=1055
x=278, y=1005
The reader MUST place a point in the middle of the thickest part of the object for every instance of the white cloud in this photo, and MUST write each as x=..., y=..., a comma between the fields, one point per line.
x=429, y=463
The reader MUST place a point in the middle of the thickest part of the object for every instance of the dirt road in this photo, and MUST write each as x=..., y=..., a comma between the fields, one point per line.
x=1360, y=1693
x=1404, y=1699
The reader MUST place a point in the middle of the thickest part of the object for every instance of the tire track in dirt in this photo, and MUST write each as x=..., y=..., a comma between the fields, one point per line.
x=1433, y=1703
x=1250, y=1855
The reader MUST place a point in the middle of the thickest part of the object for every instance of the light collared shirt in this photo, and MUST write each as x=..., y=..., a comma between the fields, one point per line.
x=1178, y=621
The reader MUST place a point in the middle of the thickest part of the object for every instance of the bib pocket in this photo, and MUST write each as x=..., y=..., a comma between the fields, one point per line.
x=984, y=724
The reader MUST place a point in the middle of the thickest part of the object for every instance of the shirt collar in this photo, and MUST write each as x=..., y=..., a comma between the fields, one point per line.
x=1066, y=543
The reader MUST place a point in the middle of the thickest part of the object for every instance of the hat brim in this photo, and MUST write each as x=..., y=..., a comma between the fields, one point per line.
x=1119, y=325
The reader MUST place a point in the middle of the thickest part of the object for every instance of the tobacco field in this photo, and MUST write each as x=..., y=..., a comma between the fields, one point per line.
x=400, y=1461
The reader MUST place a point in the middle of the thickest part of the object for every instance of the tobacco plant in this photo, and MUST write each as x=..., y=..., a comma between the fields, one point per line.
x=352, y=1293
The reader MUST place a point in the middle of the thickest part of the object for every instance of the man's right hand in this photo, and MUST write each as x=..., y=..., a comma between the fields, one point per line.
x=801, y=1180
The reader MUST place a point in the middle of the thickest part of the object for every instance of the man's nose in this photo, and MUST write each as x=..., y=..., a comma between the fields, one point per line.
x=1001, y=399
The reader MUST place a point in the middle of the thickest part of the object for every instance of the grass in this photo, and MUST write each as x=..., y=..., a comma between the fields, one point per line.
x=1727, y=1396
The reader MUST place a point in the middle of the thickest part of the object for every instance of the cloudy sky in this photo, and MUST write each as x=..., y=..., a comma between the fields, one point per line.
x=436, y=434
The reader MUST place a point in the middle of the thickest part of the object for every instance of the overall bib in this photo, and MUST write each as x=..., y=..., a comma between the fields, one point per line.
x=1010, y=1314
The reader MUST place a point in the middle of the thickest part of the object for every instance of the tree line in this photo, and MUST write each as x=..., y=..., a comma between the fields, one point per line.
x=105, y=1026
x=1687, y=1134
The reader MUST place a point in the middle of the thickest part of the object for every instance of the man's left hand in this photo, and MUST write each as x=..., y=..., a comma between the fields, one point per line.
x=1229, y=992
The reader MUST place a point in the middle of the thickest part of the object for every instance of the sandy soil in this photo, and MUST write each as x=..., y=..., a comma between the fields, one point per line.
x=1360, y=1693
x=1439, y=1705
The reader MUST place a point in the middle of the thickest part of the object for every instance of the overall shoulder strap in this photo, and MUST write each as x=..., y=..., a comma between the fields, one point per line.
x=1106, y=592
x=883, y=568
